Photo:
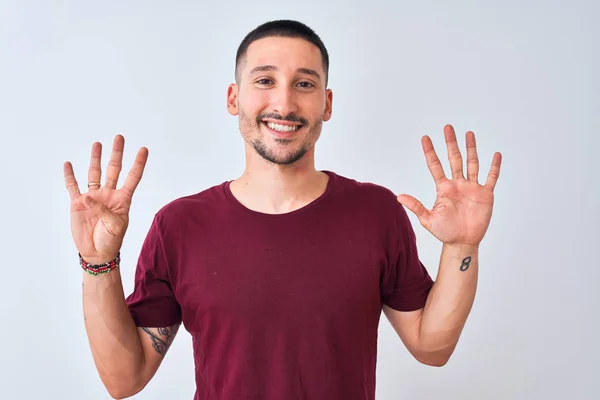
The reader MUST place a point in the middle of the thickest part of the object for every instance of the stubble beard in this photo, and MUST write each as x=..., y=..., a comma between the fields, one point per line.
x=258, y=143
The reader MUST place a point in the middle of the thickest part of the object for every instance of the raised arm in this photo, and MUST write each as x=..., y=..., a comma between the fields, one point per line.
x=126, y=356
x=459, y=219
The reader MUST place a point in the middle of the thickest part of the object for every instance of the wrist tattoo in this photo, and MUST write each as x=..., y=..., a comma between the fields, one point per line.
x=466, y=263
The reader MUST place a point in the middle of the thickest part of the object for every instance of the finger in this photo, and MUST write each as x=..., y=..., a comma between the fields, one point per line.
x=116, y=163
x=136, y=172
x=494, y=173
x=454, y=156
x=472, y=158
x=433, y=162
x=95, y=171
x=415, y=206
x=70, y=181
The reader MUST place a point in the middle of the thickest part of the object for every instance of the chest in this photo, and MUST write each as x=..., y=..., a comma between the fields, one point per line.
x=237, y=279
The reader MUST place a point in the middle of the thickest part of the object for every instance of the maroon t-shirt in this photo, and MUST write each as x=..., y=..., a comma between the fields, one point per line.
x=281, y=306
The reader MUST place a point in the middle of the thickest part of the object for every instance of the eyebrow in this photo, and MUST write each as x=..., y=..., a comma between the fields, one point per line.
x=267, y=68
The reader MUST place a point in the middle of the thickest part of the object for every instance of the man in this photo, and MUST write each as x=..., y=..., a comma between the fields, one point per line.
x=280, y=275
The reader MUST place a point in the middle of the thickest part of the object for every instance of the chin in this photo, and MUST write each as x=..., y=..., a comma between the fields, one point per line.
x=279, y=157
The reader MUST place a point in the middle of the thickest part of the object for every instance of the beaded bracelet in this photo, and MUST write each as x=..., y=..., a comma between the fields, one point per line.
x=100, y=268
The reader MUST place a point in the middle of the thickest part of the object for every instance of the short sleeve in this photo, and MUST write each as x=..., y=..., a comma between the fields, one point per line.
x=406, y=282
x=152, y=302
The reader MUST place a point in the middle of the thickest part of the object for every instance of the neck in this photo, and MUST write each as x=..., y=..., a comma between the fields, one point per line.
x=277, y=189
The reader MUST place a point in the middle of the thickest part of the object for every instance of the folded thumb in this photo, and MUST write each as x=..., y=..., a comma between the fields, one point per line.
x=93, y=204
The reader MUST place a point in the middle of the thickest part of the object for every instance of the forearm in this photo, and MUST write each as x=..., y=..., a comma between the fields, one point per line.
x=450, y=300
x=112, y=334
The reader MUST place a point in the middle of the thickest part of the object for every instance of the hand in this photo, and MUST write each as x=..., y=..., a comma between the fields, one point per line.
x=463, y=208
x=99, y=218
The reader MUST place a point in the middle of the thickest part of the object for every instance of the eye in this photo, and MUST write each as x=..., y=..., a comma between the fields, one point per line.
x=264, y=81
x=306, y=85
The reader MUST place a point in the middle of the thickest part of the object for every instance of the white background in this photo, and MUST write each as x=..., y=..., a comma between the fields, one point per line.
x=522, y=75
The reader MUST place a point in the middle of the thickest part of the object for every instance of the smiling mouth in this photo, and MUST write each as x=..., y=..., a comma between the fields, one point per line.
x=281, y=127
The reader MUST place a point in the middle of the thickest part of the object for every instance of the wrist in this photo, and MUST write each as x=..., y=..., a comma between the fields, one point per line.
x=97, y=260
x=461, y=248
x=97, y=268
x=459, y=257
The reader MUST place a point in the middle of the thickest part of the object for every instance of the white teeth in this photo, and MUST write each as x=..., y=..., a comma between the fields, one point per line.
x=282, y=128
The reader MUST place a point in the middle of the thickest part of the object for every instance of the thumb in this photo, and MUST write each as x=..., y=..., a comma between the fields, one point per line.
x=92, y=204
x=414, y=205
x=112, y=222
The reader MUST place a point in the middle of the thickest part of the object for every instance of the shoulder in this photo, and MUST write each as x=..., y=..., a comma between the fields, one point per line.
x=193, y=205
x=366, y=192
x=373, y=205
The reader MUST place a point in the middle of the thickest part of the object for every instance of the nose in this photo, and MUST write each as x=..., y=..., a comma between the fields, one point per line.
x=284, y=102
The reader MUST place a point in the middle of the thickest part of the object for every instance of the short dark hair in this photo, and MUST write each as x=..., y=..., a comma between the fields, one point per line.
x=282, y=28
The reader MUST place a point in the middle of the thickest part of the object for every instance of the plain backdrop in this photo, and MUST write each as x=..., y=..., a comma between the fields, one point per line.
x=522, y=75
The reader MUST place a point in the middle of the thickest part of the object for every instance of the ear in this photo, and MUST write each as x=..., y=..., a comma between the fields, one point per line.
x=232, y=99
x=328, y=105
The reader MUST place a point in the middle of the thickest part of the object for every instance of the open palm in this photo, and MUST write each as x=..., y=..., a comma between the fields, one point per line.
x=462, y=210
x=100, y=217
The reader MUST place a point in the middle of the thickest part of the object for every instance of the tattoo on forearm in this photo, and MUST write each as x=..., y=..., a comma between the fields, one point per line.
x=466, y=263
x=161, y=341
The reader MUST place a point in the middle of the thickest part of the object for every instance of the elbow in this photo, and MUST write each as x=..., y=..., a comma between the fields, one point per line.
x=435, y=353
x=118, y=395
x=434, y=361
x=434, y=358
x=122, y=392
x=123, y=388
x=123, y=377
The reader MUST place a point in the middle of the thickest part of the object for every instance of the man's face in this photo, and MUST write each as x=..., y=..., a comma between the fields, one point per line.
x=281, y=98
